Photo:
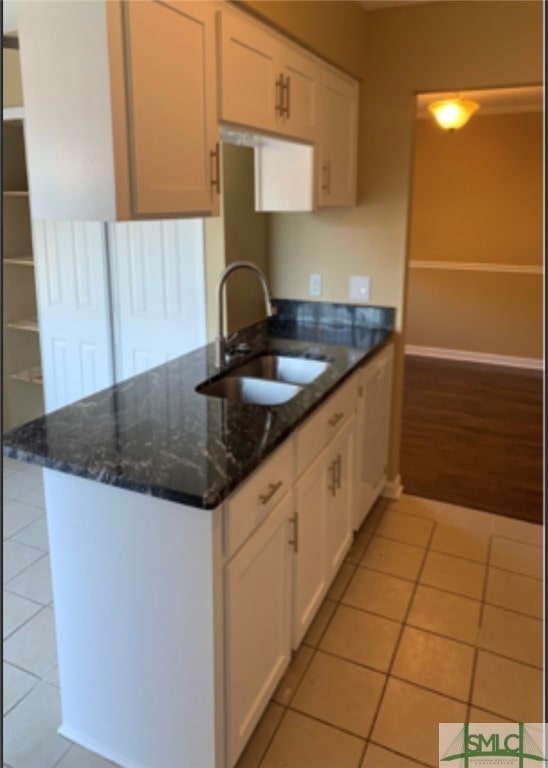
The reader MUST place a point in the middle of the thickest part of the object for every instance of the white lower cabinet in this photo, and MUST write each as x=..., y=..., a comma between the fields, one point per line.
x=257, y=630
x=323, y=500
x=374, y=407
x=310, y=571
x=340, y=472
x=230, y=593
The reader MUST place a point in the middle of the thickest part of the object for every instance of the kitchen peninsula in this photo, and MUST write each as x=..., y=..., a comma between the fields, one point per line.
x=193, y=537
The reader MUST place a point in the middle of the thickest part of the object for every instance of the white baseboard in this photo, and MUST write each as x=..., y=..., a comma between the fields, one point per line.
x=393, y=489
x=475, y=357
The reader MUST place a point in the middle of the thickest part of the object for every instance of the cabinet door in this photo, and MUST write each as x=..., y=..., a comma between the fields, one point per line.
x=310, y=572
x=257, y=599
x=248, y=72
x=171, y=91
x=299, y=95
x=374, y=428
x=340, y=474
x=337, y=149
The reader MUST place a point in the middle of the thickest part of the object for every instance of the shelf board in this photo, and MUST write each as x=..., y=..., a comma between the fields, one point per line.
x=20, y=261
x=25, y=324
x=31, y=375
x=13, y=114
x=15, y=192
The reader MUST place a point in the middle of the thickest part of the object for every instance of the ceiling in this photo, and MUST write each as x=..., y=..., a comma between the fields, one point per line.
x=491, y=101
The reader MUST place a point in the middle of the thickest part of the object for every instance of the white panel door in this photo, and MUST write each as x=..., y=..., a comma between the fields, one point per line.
x=158, y=292
x=73, y=308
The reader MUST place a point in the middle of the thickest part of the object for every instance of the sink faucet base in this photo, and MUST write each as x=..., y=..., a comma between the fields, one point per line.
x=220, y=341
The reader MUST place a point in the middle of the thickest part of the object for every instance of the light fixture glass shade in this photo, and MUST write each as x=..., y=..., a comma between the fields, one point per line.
x=453, y=113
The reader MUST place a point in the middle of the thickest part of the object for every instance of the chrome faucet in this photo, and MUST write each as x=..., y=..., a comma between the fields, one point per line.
x=220, y=341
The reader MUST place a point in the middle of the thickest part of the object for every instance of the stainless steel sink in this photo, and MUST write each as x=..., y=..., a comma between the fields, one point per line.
x=245, y=389
x=295, y=370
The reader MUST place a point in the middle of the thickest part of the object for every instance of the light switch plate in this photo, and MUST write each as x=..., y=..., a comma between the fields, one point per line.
x=315, y=284
x=359, y=287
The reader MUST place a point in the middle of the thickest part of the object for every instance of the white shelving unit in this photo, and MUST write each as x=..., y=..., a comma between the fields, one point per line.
x=22, y=385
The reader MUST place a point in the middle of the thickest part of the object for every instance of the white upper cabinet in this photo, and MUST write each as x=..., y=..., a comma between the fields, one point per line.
x=337, y=139
x=266, y=83
x=171, y=92
x=121, y=108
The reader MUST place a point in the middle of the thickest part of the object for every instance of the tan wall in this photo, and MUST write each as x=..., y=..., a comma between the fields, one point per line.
x=478, y=312
x=237, y=234
x=12, y=89
x=246, y=237
x=334, y=29
x=477, y=192
x=477, y=199
x=404, y=50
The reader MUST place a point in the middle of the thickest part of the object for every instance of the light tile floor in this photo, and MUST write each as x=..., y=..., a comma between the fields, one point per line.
x=436, y=615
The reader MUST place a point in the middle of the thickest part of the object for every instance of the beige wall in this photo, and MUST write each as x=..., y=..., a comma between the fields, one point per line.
x=477, y=199
x=238, y=234
x=398, y=52
x=12, y=89
x=479, y=312
x=334, y=29
x=477, y=192
x=245, y=236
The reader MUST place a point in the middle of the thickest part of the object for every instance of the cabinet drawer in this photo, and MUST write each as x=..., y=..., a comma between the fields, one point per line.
x=248, y=507
x=324, y=424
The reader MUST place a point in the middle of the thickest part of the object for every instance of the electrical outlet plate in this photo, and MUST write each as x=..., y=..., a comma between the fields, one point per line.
x=359, y=288
x=315, y=284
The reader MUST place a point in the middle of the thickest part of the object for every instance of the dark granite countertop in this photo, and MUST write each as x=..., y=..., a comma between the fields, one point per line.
x=155, y=434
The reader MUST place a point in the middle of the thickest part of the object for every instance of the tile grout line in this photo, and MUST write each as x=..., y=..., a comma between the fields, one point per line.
x=480, y=624
x=485, y=583
x=315, y=648
x=25, y=622
x=395, y=752
x=398, y=639
x=65, y=753
x=451, y=592
x=42, y=554
x=433, y=549
x=38, y=681
x=427, y=631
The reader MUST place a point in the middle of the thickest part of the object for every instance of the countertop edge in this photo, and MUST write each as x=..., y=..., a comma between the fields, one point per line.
x=207, y=500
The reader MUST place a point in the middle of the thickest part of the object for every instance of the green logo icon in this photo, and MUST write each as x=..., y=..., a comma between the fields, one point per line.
x=519, y=745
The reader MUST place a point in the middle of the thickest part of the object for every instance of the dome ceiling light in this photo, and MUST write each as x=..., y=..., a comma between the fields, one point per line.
x=453, y=113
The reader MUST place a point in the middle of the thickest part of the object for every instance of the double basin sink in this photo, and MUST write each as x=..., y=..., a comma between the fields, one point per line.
x=268, y=379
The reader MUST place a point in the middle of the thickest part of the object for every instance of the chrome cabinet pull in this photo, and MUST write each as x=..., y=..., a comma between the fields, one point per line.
x=338, y=470
x=325, y=185
x=295, y=540
x=287, y=88
x=279, y=109
x=264, y=498
x=335, y=418
x=214, y=154
x=332, y=485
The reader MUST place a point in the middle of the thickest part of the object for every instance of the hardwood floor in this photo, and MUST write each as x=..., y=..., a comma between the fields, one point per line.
x=472, y=435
